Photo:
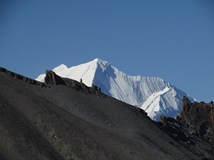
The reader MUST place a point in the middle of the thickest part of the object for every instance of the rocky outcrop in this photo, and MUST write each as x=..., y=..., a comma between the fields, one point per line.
x=53, y=79
x=193, y=127
x=198, y=118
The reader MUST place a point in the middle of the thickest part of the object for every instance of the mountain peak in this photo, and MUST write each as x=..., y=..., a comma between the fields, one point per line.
x=100, y=62
x=61, y=67
x=97, y=60
x=152, y=94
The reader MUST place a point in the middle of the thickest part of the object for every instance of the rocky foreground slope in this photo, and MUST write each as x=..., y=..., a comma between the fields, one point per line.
x=63, y=119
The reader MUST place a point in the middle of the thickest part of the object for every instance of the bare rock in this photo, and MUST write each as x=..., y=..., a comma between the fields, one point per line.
x=198, y=118
x=53, y=79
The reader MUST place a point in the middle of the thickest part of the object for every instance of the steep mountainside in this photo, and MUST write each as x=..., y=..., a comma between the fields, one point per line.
x=63, y=119
x=156, y=96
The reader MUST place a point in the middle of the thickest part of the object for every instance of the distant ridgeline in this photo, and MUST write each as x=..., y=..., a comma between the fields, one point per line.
x=53, y=79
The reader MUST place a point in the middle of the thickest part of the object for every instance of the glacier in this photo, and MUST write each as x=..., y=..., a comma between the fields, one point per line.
x=152, y=94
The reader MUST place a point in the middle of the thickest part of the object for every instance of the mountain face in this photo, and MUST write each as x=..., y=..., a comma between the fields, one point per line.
x=154, y=95
x=63, y=119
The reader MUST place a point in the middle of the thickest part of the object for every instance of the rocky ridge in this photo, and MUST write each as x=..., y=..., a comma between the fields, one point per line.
x=193, y=127
x=52, y=78
x=198, y=118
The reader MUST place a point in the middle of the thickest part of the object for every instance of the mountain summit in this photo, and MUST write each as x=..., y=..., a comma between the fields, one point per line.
x=154, y=95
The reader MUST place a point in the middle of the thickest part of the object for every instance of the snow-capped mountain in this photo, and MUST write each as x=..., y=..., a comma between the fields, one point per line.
x=156, y=96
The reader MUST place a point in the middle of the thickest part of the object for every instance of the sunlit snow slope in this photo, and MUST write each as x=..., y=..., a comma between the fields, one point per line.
x=156, y=96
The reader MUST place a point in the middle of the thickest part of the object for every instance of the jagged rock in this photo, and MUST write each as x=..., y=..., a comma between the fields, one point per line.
x=79, y=86
x=195, y=119
x=53, y=79
x=198, y=118
x=193, y=128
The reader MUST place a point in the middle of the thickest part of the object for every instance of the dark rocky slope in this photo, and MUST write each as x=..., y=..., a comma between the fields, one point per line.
x=198, y=119
x=64, y=119
x=193, y=128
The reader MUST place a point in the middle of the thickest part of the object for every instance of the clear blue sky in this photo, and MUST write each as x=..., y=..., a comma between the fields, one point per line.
x=173, y=39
